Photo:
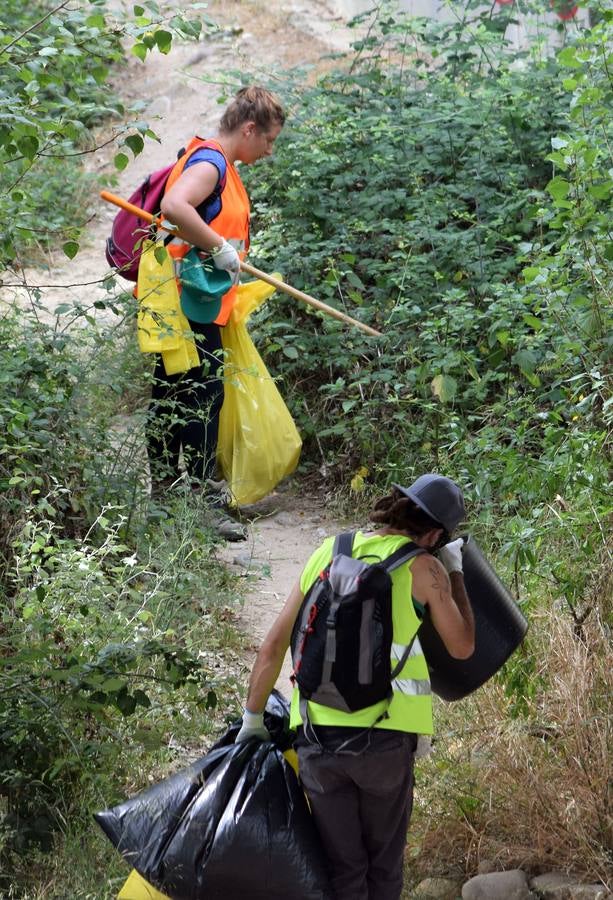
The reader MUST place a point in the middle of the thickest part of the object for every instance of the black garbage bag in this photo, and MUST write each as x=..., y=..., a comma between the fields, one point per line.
x=233, y=825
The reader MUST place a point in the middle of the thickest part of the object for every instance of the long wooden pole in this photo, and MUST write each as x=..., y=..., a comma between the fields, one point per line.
x=245, y=267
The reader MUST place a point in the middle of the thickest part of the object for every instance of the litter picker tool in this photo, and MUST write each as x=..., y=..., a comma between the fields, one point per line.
x=245, y=267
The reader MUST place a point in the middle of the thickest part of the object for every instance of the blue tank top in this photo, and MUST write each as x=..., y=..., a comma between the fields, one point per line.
x=211, y=207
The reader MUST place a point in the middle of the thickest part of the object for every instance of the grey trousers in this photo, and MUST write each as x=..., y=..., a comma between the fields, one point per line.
x=362, y=805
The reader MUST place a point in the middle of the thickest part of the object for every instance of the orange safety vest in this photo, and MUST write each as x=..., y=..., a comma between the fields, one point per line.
x=232, y=222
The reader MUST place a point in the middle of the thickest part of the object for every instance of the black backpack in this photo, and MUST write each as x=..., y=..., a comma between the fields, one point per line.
x=342, y=638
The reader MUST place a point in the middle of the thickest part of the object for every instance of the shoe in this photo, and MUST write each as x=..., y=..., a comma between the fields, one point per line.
x=225, y=526
x=218, y=493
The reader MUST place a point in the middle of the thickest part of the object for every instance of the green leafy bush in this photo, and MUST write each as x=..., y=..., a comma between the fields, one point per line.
x=425, y=199
x=113, y=609
x=55, y=63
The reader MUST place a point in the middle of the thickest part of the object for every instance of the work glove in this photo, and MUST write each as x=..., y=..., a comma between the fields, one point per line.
x=226, y=257
x=252, y=727
x=451, y=555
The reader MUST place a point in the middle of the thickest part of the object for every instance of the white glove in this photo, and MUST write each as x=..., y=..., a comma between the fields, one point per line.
x=226, y=257
x=253, y=727
x=451, y=555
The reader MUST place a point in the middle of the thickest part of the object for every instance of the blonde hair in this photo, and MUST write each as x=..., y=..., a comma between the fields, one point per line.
x=253, y=104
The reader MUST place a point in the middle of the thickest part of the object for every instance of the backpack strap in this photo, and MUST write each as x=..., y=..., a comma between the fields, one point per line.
x=400, y=664
x=393, y=561
x=343, y=544
x=196, y=143
x=400, y=556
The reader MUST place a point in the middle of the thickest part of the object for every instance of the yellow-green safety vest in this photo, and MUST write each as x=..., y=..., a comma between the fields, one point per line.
x=410, y=708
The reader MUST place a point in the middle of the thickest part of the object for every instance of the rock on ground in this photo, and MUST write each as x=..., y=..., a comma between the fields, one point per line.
x=511, y=885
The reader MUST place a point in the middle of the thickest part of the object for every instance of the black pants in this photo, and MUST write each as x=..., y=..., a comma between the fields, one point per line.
x=362, y=805
x=184, y=411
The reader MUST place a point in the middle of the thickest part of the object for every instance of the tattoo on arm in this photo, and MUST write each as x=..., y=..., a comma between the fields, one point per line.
x=440, y=584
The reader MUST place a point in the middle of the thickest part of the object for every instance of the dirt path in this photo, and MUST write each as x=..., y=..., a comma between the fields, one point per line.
x=285, y=528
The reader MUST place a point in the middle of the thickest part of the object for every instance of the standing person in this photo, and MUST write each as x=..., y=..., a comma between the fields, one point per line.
x=357, y=767
x=206, y=199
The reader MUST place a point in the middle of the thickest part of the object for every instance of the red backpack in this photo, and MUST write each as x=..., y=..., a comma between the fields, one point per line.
x=129, y=232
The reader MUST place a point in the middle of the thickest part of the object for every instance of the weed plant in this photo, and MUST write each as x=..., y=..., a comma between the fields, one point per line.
x=530, y=790
x=119, y=655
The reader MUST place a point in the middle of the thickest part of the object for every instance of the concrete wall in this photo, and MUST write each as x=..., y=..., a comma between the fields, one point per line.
x=528, y=29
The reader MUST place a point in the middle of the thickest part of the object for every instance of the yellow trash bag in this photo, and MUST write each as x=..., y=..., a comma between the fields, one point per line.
x=185, y=356
x=258, y=442
x=161, y=325
x=136, y=888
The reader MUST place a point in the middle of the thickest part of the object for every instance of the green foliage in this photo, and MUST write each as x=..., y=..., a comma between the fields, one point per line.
x=54, y=70
x=112, y=609
x=57, y=461
x=464, y=209
x=101, y=647
x=86, y=645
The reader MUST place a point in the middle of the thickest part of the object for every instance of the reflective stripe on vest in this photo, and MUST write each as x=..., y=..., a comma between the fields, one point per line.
x=232, y=221
x=410, y=708
x=412, y=686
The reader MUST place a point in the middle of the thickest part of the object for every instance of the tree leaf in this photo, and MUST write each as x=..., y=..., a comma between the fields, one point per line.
x=139, y=50
x=160, y=252
x=558, y=188
x=121, y=161
x=113, y=684
x=28, y=145
x=163, y=39
x=444, y=387
x=568, y=57
x=533, y=322
x=525, y=360
x=135, y=143
x=70, y=248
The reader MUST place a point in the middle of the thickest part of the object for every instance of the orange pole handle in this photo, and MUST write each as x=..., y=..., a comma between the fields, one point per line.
x=245, y=267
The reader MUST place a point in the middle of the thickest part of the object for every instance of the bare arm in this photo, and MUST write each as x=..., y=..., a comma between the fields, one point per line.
x=446, y=598
x=272, y=653
x=179, y=205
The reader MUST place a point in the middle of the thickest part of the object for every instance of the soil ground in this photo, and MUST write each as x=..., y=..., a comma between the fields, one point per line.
x=284, y=529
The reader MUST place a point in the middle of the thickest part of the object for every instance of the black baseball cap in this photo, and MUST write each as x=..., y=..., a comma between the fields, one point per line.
x=439, y=497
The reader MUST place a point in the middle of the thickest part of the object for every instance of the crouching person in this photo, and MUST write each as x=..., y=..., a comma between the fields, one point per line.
x=356, y=764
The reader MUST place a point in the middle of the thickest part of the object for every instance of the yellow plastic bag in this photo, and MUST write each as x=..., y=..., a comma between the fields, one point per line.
x=185, y=356
x=258, y=442
x=136, y=888
x=292, y=758
x=161, y=325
